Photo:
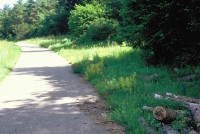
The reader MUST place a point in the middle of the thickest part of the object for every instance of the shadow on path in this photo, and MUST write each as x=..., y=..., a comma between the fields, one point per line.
x=43, y=100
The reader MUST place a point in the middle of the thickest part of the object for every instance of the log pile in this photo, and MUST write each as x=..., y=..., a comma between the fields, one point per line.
x=192, y=104
x=183, y=98
x=165, y=115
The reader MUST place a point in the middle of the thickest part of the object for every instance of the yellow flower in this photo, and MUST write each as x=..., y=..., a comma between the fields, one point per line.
x=94, y=69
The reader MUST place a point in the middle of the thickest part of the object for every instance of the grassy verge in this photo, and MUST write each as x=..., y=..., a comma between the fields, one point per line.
x=118, y=74
x=9, y=54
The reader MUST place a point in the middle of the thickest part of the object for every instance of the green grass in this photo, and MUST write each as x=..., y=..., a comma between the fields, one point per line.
x=9, y=54
x=115, y=73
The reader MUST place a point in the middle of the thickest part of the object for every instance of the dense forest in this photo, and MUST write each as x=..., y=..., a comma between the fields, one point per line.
x=168, y=30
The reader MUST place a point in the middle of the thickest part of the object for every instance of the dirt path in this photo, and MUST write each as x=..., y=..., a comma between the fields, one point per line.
x=41, y=94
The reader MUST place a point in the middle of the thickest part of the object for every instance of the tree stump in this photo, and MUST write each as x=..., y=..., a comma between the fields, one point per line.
x=164, y=114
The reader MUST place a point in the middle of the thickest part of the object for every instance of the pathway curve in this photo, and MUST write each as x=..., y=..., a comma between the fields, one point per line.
x=40, y=96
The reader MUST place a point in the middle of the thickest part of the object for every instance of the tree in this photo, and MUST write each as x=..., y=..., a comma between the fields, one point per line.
x=167, y=28
x=5, y=23
x=82, y=16
x=19, y=27
x=31, y=12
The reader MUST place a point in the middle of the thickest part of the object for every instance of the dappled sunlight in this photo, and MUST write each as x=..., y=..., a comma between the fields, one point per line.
x=41, y=96
x=48, y=84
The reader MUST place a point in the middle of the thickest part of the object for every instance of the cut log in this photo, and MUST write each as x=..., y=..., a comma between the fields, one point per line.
x=187, y=78
x=192, y=132
x=183, y=98
x=195, y=111
x=146, y=126
x=168, y=130
x=176, y=70
x=158, y=96
x=146, y=108
x=148, y=77
x=164, y=114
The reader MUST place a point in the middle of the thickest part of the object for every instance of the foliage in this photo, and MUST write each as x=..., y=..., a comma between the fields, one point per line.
x=168, y=28
x=56, y=22
x=5, y=20
x=114, y=7
x=82, y=16
x=101, y=28
x=36, y=18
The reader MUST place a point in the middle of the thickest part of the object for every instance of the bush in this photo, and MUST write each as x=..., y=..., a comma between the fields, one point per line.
x=168, y=28
x=101, y=28
x=82, y=16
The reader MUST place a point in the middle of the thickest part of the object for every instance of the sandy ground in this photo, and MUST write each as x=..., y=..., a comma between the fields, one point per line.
x=42, y=96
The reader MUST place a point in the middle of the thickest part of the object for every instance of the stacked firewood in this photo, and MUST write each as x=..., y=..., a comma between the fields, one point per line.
x=166, y=115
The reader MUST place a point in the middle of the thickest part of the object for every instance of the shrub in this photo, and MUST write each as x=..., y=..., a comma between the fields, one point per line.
x=82, y=16
x=102, y=28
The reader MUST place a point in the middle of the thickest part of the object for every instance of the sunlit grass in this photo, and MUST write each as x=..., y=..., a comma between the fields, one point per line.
x=115, y=73
x=9, y=54
x=77, y=55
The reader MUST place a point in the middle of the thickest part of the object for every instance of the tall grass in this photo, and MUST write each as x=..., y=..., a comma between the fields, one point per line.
x=9, y=54
x=116, y=73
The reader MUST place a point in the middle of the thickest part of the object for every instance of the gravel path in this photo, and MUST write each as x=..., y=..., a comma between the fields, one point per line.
x=41, y=94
